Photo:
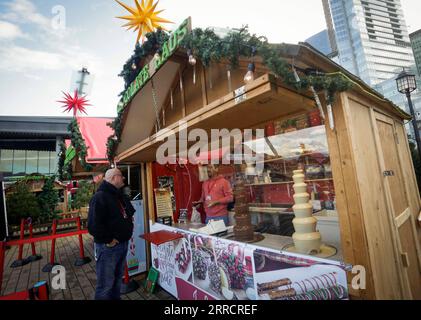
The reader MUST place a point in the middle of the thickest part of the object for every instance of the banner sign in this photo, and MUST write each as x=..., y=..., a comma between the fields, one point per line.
x=136, y=256
x=168, y=49
x=202, y=267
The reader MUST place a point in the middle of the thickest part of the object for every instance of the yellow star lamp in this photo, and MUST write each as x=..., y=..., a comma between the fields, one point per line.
x=144, y=18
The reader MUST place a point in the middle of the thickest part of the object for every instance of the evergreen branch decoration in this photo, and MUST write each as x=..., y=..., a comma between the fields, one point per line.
x=209, y=47
x=154, y=42
x=206, y=45
x=79, y=144
x=64, y=170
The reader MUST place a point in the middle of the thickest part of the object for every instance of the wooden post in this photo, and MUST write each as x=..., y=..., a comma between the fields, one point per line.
x=146, y=204
x=150, y=193
x=66, y=201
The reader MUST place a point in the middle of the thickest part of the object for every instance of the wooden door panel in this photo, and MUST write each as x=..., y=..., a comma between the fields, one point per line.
x=396, y=189
x=392, y=165
x=410, y=258
x=378, y=221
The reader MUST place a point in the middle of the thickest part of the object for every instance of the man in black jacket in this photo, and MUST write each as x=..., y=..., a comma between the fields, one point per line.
x=110, y=222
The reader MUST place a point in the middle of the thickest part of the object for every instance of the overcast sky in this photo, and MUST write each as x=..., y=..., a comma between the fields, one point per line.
x=37, y=61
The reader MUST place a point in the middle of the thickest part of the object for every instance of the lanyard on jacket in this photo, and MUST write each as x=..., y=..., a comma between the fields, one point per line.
x=122, y=210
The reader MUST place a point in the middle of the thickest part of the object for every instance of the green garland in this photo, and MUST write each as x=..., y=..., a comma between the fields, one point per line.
x=154, y=42
x=79, y=144
x=64, y=170
x=209, y=47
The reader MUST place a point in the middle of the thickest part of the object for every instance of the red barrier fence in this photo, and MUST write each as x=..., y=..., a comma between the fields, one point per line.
x=82, y=260
x=34, y=257
x=53, y=237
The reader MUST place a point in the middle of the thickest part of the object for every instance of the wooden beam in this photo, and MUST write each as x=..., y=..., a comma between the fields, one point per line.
x=146, y=205
x=150, y=193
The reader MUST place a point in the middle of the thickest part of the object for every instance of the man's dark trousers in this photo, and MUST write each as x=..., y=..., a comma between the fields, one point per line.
x=110, y=264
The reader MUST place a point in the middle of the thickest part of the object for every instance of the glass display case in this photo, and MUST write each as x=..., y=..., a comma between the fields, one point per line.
x=291, y=144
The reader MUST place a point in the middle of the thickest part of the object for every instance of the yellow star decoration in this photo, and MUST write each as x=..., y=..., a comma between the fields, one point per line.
x=143, y=18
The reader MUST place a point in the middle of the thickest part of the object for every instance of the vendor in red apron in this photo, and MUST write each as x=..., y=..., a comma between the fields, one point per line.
x=216, y=195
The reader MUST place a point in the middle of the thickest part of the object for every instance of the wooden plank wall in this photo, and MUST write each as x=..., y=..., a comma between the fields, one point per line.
x=351, y=222
x=373, y=201
x=366, y=228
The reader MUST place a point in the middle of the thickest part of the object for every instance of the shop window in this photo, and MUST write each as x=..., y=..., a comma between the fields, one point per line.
x=31, y=162
x=6, y=161
x=53, y=162
x=19, y=157
x=290, y=144
x=44, y=162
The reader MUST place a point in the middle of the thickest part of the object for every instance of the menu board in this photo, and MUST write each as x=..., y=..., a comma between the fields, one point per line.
x=163, y=203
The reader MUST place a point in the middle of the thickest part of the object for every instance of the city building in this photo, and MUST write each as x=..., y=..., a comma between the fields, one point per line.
x=373, y=43
x=416, y=48
x=30, y=145
x=371, y=37
x=321, y=42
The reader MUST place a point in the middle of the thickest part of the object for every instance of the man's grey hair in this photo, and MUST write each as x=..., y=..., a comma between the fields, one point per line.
x=111, y=173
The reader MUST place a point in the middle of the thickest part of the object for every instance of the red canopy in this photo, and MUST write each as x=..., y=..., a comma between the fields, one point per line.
x=95, y=132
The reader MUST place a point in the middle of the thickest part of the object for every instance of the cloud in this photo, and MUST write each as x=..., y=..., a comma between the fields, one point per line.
x=16, y=58
x=24, y=11
x=20, y=59
x=50, y=48
x=9, y=31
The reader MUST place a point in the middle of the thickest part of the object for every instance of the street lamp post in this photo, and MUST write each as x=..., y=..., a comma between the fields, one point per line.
x=406, y=84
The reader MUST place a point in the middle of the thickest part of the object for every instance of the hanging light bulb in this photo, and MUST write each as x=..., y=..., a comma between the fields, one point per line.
x=249, y=77
x=157, y=55
x=134, y=67
x=192, y=59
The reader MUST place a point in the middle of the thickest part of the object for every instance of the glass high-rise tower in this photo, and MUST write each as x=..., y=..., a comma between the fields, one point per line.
x=416, y=48
x=371, y=37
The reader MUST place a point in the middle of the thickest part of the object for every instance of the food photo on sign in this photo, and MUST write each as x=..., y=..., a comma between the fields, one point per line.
x=288, y=277
x=183, y=259
x=222, y=268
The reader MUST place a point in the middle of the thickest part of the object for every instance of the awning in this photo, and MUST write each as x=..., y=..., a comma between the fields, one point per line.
x=260, y=102
x=95, y=132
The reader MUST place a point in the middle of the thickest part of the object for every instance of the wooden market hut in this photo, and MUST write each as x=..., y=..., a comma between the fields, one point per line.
x=376, y=190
